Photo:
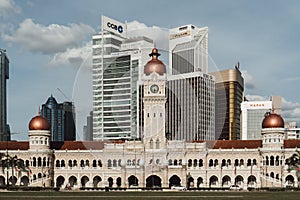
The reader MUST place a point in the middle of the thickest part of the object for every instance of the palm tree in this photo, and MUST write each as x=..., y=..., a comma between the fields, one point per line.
x=12, y=162
x=293, y=162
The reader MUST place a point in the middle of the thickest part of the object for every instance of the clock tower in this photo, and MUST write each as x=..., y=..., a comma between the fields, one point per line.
x=154, y=102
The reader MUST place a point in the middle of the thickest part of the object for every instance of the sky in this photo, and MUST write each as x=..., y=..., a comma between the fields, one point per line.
x=49, y=47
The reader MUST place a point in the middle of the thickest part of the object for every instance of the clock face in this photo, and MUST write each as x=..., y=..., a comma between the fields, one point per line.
x=154, y=88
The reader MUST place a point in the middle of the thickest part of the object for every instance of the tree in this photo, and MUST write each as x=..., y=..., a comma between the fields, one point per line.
x=293, y=162
x=12, y=162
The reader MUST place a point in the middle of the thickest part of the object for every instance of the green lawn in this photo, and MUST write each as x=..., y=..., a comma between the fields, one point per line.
x=148, y=195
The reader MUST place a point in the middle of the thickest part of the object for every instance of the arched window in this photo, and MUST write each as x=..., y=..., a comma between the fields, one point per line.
x=277, y=161
x=41, y=140
x=151, y=143
x=99, y=163
x=119, y=162
x=27, y=163
x=254, y=162
x=57, y=163
x=190, y=162
x=109, y=163
x=175, y=162
x=211, y=163
x=242, y=162
x=216, y=163
x=94, y=163
x=114, y=163
x=200, y=163
x=128, y=162
x=249, y=162
x=157, y=144
x=272, y=160
x=229, y=162
x=39, y=161
x=267, y=160
x=34, y=162
x=236, y=162
x=87, y=163
x=70, y=163
x=157, y=161
x=44, y=162
x=223, y=163
x=75, y=163
x=62, y=163
x=170, y=162
x=195, y=162
x=82, y=163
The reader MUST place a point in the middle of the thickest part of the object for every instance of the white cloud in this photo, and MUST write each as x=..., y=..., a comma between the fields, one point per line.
x=291, y=110
x=49, y=39
x=248, y=79
x=252, y=97
x=159, y=35
x=8, y=7
x=73, y=56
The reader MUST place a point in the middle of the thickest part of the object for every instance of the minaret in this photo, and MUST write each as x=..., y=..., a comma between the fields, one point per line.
x=154, y=102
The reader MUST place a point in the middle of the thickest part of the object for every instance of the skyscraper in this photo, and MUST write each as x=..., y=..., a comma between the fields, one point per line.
x=116, y=70
x=4, y=75
x=229, y=92
x=253, y=112
x=188, y=46
x=190, y=107
x=61, y=117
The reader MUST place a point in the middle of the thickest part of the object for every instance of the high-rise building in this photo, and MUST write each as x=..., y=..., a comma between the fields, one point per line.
x=88, y=129
x=253, y=112
x=4, y=75
x=61, y=117
x=229, y=91
x=190, y=107
x=188, y=46
x=117, y=61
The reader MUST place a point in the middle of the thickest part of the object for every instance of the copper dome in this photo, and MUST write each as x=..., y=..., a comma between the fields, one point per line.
x=39, y=123
x=155, y=65
x=273, y=121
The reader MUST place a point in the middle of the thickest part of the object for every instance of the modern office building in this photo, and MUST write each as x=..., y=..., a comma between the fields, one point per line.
x=117, y=61
x=188, y=46
x=61, y=117
x=229, y=91
x=190, y=107
x=88, y=128
x=253, y=112
x=251, y=117
x=4, y=75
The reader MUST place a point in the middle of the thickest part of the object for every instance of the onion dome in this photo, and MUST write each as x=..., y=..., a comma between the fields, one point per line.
x=155, y=65
x=39, y=123
x=273, y=121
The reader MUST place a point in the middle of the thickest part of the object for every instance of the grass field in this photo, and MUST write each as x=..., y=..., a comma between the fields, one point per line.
x=148, y=195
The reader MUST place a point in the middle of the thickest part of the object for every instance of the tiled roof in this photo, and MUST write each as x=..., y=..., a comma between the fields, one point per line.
x=81, y=145
x=292, y=143
x=14, y=145
x=232, y=144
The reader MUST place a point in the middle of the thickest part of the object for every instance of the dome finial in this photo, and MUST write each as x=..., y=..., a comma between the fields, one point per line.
x=39, y=111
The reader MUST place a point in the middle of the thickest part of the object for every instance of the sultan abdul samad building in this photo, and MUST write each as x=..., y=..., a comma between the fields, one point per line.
x=153, y=161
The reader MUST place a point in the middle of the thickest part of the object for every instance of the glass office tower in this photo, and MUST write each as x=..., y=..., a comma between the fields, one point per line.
x=4, y=75
x=116, y=70
x=61, y=117
x=188, y=46
x=190, y=107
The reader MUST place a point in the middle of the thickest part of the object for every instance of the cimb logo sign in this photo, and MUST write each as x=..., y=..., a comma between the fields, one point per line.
x=115, y=27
